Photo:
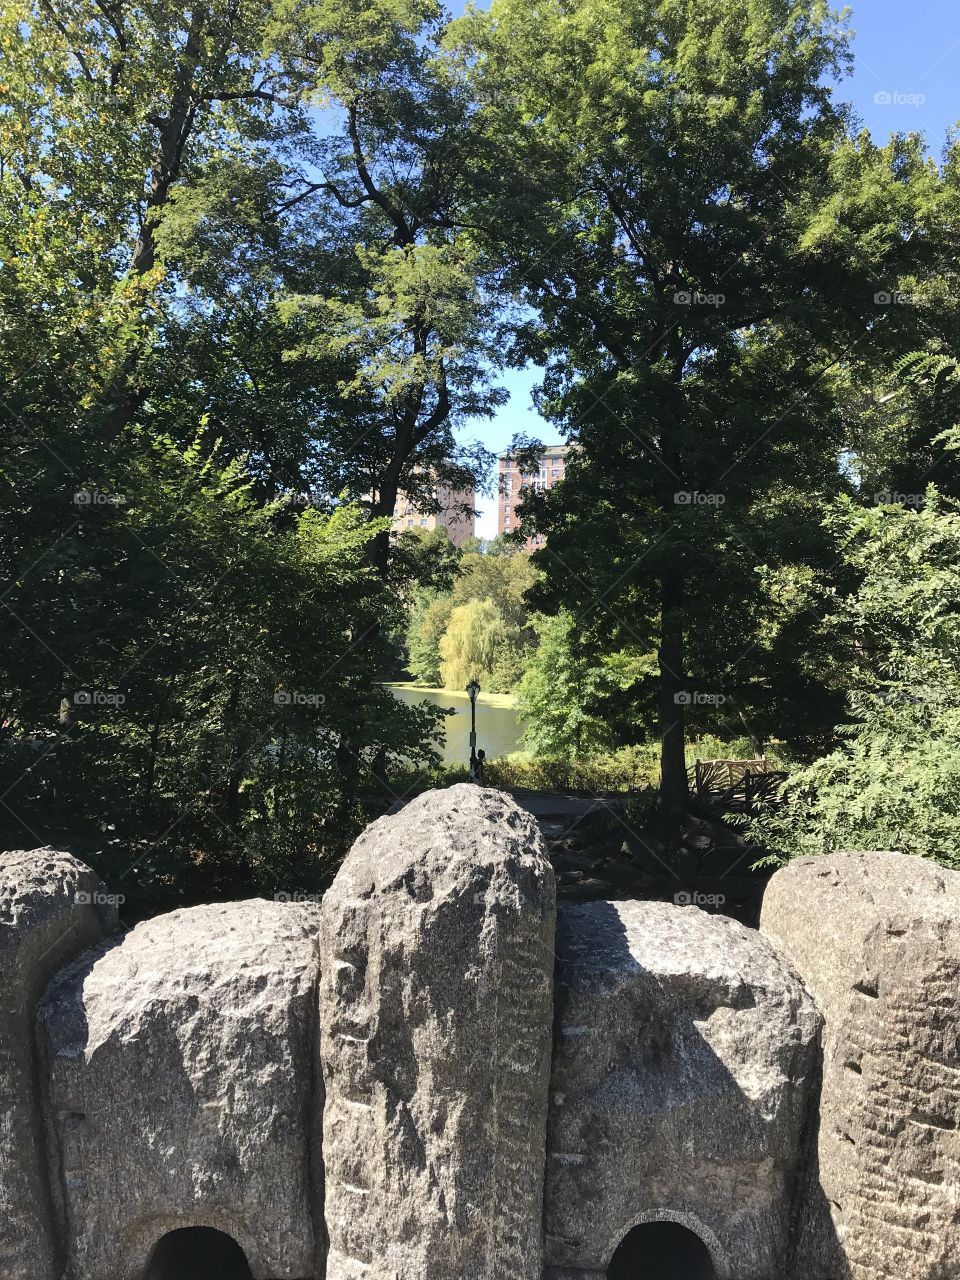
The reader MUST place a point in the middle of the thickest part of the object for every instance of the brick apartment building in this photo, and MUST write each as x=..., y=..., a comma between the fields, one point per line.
x=511, y=483
x=458, y=521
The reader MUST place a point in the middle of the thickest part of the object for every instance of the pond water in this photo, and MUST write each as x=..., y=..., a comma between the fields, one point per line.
x=497, y=730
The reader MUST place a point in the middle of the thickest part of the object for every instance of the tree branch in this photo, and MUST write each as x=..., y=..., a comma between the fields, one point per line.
x=63, y=31
x=402, y=232
x=311, y=189
x=441, y=410
x=241, y=95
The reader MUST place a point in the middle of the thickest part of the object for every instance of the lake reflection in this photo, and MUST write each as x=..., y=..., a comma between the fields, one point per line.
x=497, y=731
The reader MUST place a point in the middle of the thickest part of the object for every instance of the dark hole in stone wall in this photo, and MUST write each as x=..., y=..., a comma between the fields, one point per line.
x=198, y=1253
x=661, y=1251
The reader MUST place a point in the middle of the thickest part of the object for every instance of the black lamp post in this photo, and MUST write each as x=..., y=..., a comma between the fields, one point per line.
x=473, y=689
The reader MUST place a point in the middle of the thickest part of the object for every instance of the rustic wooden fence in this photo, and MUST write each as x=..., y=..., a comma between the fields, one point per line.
x=736, y=785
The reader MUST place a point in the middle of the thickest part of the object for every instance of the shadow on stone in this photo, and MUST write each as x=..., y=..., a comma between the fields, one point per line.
x=684, y=1063
x=814, y=1251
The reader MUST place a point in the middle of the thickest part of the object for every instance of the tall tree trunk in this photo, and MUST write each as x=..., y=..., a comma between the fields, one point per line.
x=756, y=742
x=385, y=504
x=65, y=728
x=378, y=549
x=230, y=794
x=174, y=132
x=348, y=770
x=122, y=398
x=674, y=794
x=281, y=765
x=151, y=769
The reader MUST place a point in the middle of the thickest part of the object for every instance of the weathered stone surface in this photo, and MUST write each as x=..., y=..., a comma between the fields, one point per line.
x=684, y=1063
x=181, y=1080
x=876, y=937
x=437, y=959
x=51, y=908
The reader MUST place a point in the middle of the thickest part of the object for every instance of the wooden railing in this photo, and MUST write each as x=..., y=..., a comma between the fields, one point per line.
x=736, y=784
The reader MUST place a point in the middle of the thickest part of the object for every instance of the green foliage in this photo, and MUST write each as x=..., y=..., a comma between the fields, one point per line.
x=159, y=219
x=428, y=623
x=562, y=689
x=187, y=677
x=629, y=770
x=503, y=578
x=404, y=310
x=257, y=275
x=472, y=646
x=894, y=783
x=626, y=770
x=424, y=559
x=491, y=640
x=700, y=242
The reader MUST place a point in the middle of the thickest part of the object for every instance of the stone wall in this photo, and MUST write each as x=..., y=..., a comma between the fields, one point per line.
x=51, y=908
x=682, y=1076
x=181, y=1079
x=876, y=937
x=790, y=1097
x=437, y=959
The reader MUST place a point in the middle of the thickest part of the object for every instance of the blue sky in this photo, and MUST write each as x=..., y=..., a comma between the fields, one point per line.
x=906, y=77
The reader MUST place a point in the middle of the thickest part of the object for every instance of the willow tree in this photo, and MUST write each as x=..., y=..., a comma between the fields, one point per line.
x=669, y=167
x=468, y=647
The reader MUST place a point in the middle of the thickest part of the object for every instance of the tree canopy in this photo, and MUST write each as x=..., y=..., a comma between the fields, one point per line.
x=703, y=243
x=892, y=783
x=261, y=268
